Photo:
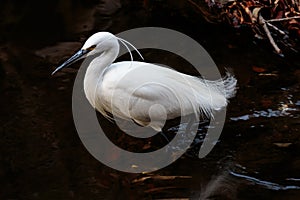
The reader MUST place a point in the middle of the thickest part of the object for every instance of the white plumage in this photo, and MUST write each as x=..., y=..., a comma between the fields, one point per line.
x=146, y=93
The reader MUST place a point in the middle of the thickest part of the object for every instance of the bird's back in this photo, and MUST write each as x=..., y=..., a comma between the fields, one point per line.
x=148, y=92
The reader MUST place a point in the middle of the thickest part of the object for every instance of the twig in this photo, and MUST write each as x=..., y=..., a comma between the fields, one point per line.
x=160, y=178
x=277, y=29
x=282, y=19
x=202, y=11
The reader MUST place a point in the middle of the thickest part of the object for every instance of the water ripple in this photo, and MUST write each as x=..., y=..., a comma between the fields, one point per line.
x=283, y=111
x=265, y=184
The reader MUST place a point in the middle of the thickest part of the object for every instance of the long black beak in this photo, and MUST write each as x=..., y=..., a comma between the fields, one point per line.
x=77, y=56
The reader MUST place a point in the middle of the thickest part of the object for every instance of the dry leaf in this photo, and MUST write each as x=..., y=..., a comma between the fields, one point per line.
x=282, y=145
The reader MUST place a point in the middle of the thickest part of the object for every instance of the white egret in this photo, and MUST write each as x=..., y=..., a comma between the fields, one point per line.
x=147, y=93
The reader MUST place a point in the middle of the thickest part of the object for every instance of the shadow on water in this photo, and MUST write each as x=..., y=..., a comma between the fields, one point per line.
x=256, y=157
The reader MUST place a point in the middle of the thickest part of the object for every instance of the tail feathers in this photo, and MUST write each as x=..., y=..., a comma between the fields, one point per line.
x=229, y=85
x=216, y=94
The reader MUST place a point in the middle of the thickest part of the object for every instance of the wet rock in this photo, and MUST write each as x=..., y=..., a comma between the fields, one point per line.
x=108, y=7
x=57, y=53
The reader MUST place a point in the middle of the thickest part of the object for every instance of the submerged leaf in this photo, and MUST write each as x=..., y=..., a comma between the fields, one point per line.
x=258, y=69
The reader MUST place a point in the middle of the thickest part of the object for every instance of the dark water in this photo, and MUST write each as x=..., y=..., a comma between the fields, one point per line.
x=257, y=156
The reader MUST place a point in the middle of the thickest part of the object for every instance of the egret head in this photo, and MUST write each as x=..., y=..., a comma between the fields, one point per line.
x=100, y=42
x=97, y=43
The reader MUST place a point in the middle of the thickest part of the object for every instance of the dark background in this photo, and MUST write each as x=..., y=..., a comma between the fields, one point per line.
x=41, y=155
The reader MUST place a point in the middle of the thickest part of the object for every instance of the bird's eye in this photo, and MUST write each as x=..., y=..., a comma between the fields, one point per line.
x=91, y=47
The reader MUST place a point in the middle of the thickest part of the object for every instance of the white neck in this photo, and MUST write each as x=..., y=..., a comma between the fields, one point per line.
x=93, y=76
